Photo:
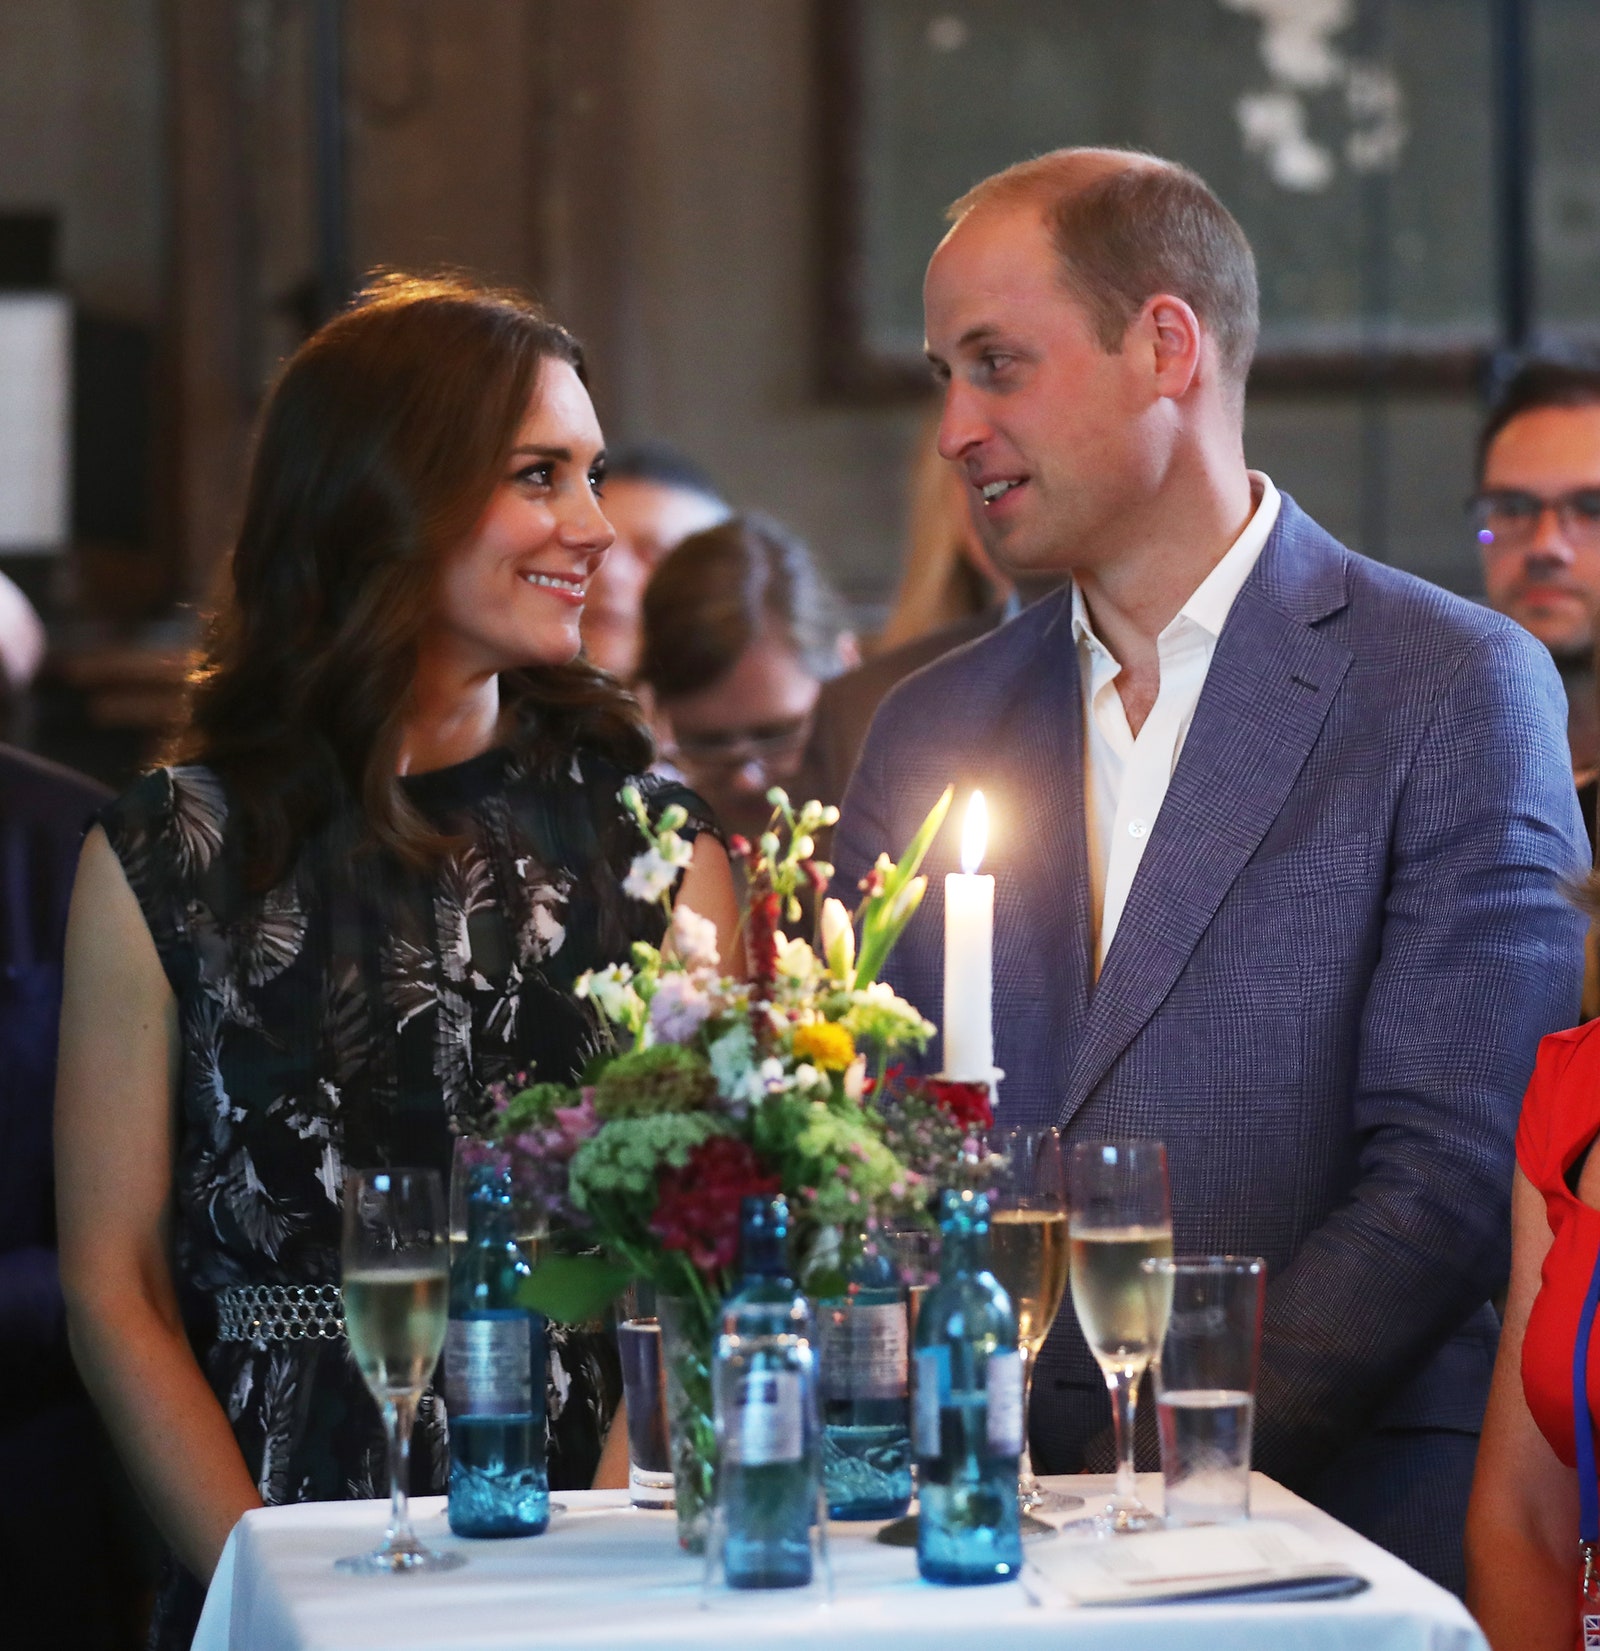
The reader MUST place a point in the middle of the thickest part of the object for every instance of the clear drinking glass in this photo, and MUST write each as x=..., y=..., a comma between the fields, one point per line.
x=1121, y=1218
x=1206, y=1385
x=644, y=1385
x=396, y=1286
x=1028, y=1255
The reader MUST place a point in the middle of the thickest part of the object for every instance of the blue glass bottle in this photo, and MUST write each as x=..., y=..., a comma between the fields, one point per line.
x=494, y=1365
x=866, y=1410
x=765, y=1405
x=967, y=1425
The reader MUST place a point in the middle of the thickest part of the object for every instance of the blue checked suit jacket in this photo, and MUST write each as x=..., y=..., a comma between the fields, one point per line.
x=1345, y=939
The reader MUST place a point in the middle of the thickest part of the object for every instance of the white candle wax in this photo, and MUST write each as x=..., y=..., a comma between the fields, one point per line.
x=968, y=977
x=969, y=958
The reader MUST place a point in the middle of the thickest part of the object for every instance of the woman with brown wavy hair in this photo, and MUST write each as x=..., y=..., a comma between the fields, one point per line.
x=383, y=849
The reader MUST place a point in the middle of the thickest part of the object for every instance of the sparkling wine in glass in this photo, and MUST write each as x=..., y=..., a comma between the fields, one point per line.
x=1121, y=1218
x=396, y=1287
x=1028, y=1255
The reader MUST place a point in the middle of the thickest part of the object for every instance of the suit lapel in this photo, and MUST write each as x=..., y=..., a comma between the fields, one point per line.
x=1267, y=693
x=1048, y=780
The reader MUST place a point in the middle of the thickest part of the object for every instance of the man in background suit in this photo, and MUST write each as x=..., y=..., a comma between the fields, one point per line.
x=1537, y=518
x=1279, y=837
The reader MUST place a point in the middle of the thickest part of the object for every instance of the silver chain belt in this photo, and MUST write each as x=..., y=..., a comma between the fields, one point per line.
x=280, y=1312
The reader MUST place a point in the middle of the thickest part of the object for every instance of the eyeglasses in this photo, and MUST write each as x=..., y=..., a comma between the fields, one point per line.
x=1509, y=519
x=724, y=754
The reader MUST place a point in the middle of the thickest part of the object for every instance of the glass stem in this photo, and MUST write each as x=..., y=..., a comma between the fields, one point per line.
x=1124, y=1397
x=1026, y=1483
x=398, y=1414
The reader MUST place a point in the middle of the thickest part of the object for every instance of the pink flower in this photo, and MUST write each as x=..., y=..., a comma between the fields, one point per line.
x=573, y=1126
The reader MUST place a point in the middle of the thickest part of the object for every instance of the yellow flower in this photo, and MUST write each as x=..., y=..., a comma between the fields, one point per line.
x=828, y=1047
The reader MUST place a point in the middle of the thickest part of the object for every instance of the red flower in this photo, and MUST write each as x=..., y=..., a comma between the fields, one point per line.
x=697, y=1207
x=739, y=847
x=762, y=937
x=965, y=1104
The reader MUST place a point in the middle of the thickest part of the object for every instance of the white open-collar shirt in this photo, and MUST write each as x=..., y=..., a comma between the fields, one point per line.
x=1125, y=779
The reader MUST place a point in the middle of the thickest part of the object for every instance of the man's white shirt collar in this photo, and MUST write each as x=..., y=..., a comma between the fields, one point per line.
x=1125, y=779
x=1212, y=600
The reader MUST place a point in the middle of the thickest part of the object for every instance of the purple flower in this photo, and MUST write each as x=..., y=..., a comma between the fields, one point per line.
x=679, y=1008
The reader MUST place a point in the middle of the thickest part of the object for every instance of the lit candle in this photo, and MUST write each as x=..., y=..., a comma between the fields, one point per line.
x=969, y=957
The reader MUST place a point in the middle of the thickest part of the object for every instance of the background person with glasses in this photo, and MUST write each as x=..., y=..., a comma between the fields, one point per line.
x=740, y=631
x=1536, y=515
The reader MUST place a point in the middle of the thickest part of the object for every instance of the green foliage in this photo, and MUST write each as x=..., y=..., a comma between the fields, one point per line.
x=879, y=1020
x=624, y=1161
x=574, y=1289
x=884, y=914
x=664, y=1077
x=833, y=1153
x=533, y=1107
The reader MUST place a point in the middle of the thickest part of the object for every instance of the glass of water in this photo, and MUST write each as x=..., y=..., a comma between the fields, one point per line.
x=396, y=1286
x=1206, y=1384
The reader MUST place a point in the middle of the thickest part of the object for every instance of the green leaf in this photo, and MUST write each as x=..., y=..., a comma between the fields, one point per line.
x=574, y=1289
x=922, y=842
x=880, y=931
x=828, y=1283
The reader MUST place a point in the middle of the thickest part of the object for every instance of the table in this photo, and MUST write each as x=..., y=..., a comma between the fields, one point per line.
x=608, y=1575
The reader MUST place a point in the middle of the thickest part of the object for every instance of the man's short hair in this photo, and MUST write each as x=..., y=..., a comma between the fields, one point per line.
x=1127, y=226
x=1534, y=382
x=661, y=463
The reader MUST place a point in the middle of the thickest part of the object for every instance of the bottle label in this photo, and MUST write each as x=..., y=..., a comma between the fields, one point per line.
x=933, y=1390
x=769, y=1423
x=1004, y=1388
x=864, y=1351
x=488, y=1365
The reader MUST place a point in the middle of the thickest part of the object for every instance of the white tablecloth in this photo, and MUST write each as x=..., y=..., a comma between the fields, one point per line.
x=605, y=1574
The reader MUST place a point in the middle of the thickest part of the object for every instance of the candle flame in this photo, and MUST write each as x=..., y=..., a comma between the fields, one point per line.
x=974, y=834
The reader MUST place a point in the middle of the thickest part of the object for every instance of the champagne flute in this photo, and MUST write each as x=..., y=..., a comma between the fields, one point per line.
x=1028, y=1254
x=396, y=1286
x=1121, y=1218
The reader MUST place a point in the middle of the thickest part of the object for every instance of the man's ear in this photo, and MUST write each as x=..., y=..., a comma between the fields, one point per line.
x=1170, y=330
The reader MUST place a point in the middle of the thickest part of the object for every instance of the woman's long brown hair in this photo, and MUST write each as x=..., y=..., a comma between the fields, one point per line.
x=378, y=451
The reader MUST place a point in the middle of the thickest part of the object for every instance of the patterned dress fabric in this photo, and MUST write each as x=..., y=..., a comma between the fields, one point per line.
x=354, y=1016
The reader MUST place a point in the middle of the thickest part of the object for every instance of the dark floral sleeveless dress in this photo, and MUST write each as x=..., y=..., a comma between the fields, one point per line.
x=354, y=1016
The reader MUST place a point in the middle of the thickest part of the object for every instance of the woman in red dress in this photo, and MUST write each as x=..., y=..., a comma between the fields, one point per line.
x=1524, y=1570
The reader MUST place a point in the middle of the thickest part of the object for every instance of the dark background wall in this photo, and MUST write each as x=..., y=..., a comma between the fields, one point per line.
x=649, y=166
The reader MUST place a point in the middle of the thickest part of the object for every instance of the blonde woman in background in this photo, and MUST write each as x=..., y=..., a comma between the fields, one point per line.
x=947, y=575
x=950, y=593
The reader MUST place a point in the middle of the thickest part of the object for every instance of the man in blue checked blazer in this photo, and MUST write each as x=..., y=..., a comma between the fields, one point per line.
x=1280, y=838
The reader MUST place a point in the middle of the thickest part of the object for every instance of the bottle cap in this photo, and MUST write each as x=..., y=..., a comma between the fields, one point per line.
x=760, y=1214
x=963, y=1206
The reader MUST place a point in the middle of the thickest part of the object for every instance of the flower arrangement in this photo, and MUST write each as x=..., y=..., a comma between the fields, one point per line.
x=714, y=1086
